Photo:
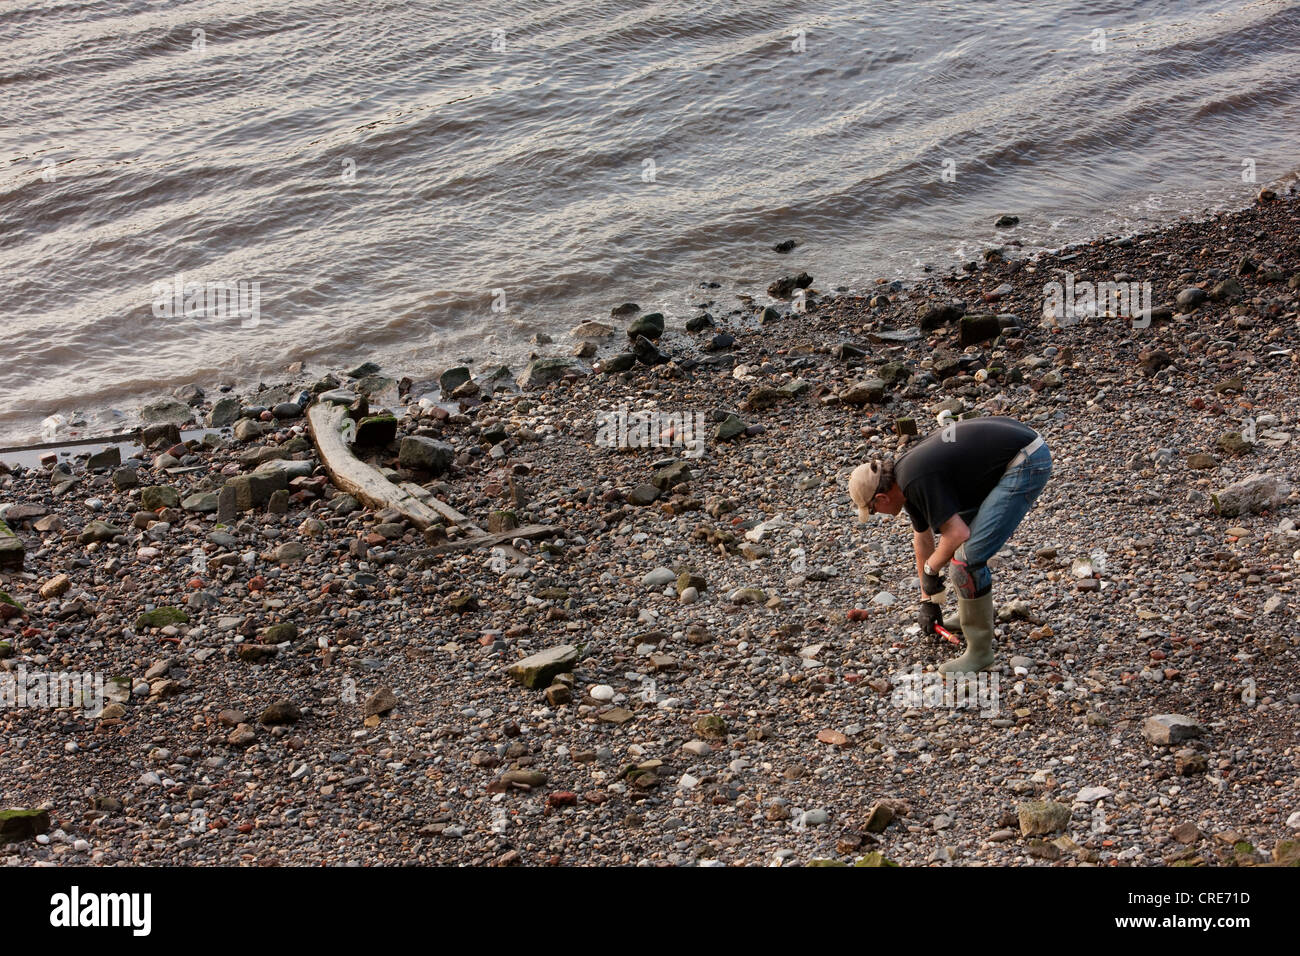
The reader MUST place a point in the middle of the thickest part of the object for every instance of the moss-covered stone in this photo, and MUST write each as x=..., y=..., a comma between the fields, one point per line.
x=279, y=633
x=12, y=550
x=1234, y=444
x=1040, y=817
x=875, y=858
x=463, y=602
x=23, y=824
x=711, y=727
x=687, y=580
x=376, y=431
x=156, y=497
x=1287, y=853
x=162, y=617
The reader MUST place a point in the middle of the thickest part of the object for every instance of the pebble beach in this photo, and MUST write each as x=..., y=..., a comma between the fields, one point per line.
x=703, y=659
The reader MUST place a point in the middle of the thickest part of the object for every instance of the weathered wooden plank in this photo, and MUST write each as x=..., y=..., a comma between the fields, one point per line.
x=364, y=482
x=491, y=540
x=440, y=506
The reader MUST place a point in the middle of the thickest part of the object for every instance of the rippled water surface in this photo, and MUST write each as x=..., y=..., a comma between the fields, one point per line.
x=387, y=171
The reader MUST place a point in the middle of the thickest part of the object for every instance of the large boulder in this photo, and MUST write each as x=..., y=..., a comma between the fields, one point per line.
x=1040, y=817
x=453, y=379
x=1165, y=730
x=425, y=454
x=539, y=669
x=979, y=327
x=591, y=330
x=156, y=497
x=870, y=391
x=1254, y=493
x=783, y=288
x=224, y=412
x=161, y=617
x=98, y=531
x=166, y=411
x=375, y=431
x=543, y=371
x=18, y=825
x=934, y=314
x=11, y=549
x=255, y=490
x=651, y=325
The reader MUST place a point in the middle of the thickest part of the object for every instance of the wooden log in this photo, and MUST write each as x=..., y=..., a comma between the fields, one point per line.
x=365, y=482
x=491, y=540
x=440, y=506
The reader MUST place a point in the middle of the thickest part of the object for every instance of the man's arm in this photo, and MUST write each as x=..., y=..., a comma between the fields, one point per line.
x=952, y=533
x=923, y=545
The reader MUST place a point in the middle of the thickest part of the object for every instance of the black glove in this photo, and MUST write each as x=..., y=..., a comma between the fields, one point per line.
x=931, y=583
x=930, y=615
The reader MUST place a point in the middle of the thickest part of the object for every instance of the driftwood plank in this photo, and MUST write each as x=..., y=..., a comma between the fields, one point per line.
x=362, y=481
x=491, y=540
x=418, y=505
x=440, y=506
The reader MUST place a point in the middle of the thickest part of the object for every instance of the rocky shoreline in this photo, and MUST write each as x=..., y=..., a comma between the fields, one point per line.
x=293, y=678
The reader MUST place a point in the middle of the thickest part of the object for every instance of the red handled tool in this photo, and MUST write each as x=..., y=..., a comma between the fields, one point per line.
x=946, y=634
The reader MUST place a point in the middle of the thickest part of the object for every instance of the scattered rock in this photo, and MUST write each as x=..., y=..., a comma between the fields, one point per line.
x=1165, y=730
x=1042, y=817
x=539, y=669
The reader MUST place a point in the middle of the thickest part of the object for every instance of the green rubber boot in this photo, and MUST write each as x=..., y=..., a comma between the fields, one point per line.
x=977, y=628
x=953, y=622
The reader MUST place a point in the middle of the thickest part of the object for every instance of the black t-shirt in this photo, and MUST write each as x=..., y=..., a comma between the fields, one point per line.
x=941, y=478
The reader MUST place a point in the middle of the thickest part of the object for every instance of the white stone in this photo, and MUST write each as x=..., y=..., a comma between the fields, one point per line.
x=1091, y=794
x=601, y=692
x=658, y=578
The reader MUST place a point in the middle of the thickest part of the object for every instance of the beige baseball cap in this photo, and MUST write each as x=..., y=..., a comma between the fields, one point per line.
x=862, y=487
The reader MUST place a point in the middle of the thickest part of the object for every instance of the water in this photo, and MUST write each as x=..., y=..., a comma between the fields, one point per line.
x=387, y=172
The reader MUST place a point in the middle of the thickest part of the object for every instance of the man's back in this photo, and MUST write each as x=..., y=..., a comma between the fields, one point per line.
x=940, y=478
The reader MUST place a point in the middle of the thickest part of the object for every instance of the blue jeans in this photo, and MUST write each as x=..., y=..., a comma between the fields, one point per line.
x=998, y=516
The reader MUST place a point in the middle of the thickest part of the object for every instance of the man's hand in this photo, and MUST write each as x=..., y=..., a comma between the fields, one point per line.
x=930, y=615
x=931, y=584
